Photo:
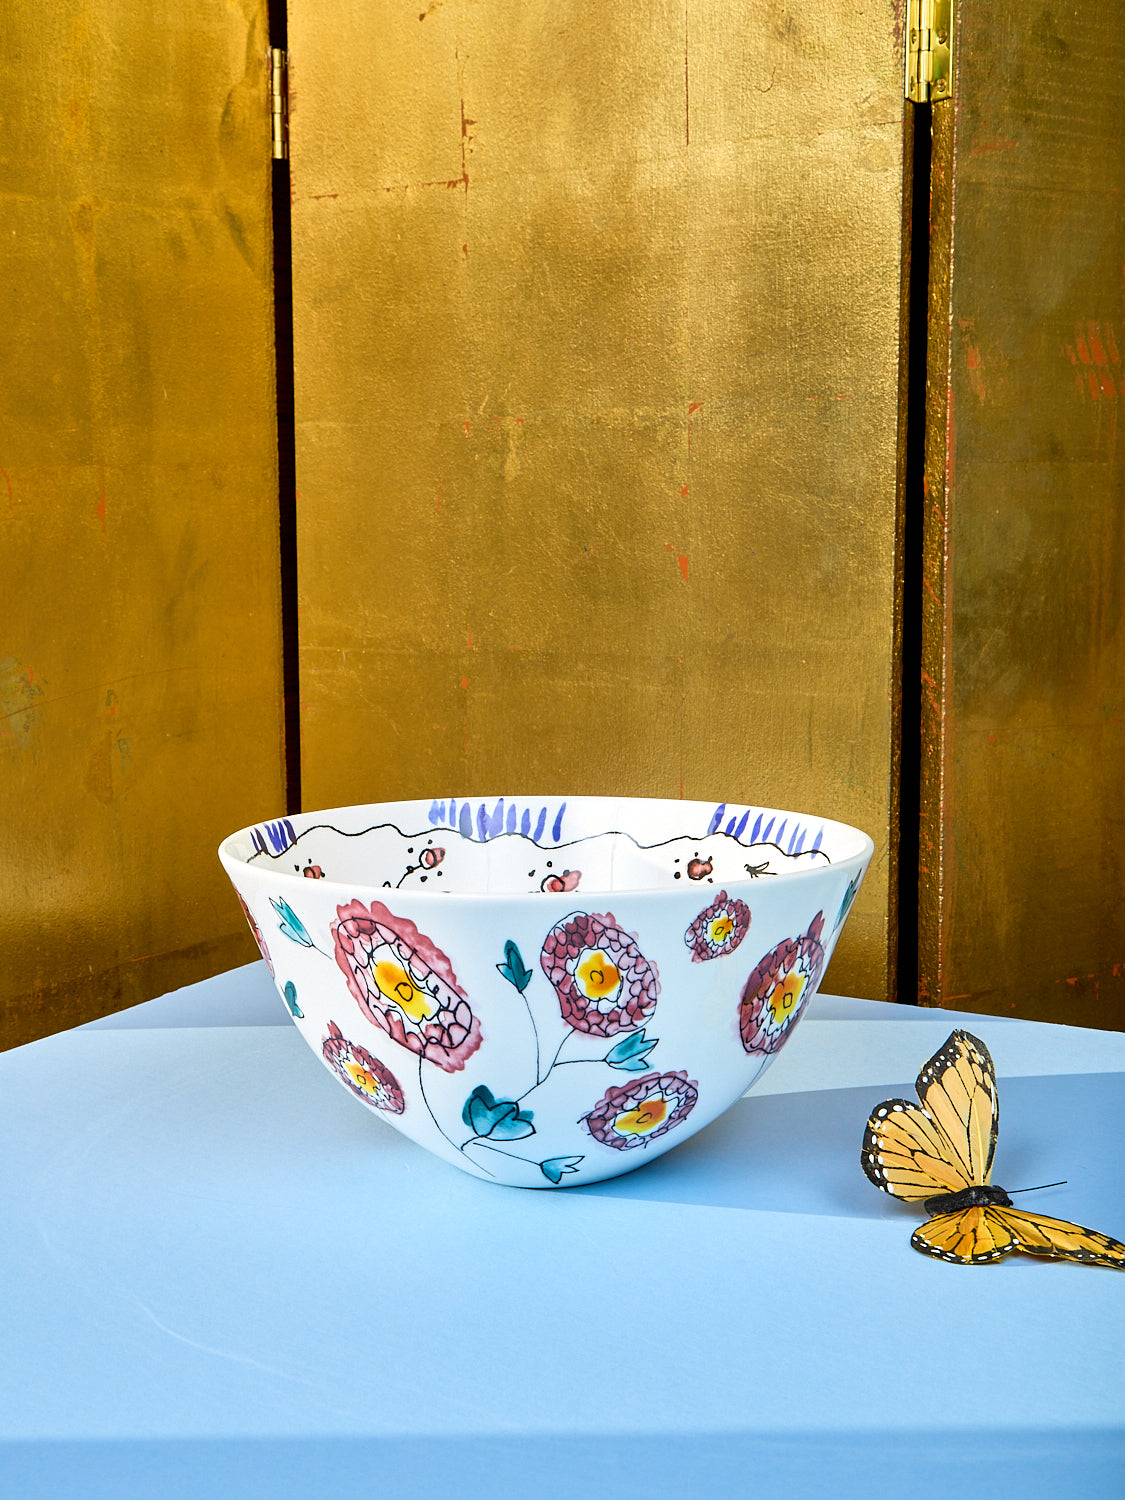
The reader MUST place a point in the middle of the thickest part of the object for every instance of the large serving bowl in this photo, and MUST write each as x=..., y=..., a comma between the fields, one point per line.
x=547, y=992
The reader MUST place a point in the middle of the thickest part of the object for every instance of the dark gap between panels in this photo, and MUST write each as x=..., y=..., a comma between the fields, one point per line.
x=910, y=766
x=286, y=459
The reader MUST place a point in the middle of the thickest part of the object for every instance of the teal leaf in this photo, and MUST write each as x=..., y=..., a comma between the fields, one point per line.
x=291, y=1000
x=290, y=925
x=514, y=970
x=846, y=903
x=630, y=1053
x=555, y=1166
x=496, y=1119
x=636, y=1064
x=512, y=1128
x=479, y=1102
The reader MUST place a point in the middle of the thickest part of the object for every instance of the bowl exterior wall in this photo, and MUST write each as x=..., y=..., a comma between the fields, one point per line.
x=552, y=1039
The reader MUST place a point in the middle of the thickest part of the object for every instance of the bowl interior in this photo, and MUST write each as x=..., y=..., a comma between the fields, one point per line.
x=516, y=845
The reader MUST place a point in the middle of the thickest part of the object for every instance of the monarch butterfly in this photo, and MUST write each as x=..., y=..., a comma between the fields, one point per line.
x=948, y=1144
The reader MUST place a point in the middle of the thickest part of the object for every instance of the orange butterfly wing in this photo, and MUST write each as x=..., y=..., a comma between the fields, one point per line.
x=946, y=1144
x=968, y=1236
x=1035, y=1234
x=974, y=1235
x=906, y=1155
x=957, y=1088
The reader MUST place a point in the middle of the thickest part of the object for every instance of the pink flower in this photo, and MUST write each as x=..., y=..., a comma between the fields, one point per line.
x=603, y=981
x=365, y=1075
x=718, y=930
x=779, y=988
x=405, y=984
x=636, y=1113
x=257, y=931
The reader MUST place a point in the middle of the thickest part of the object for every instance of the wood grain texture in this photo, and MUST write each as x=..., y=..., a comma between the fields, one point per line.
x=140, y=632
x=1023, y=892
x=597, y=333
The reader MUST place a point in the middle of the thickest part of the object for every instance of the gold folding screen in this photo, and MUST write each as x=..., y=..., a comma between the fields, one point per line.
x=598, y=366
x=597, y=350
x=139, y=633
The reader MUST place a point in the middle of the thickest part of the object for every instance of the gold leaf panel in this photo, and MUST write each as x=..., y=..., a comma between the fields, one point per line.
x=1023, y=885
x=140, y=634
x=597, y=320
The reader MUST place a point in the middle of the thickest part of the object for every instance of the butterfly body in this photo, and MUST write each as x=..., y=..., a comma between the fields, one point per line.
x=939, y=1153
x=981, y=1195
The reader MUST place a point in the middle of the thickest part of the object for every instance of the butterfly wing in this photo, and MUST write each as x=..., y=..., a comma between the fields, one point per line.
x=949, y=1142
x=969, y=1236
x=1035, y=1234
x=906, y=1154
x=957, y=1088
x=973, y=1236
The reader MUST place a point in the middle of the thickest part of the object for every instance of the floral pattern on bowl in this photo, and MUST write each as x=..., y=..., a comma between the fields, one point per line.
x=718, y=929
x=780, y=986
x=365, y=1075
x=634, y=1114
x=405, y=984
x=603, y=981
x=462, y=972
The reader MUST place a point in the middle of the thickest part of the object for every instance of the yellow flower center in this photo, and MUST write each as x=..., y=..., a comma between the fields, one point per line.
x=721, y=928
x=362, y=1078
x=786, y=995
x=643, y=1117
x=597, y=976
x=397, y=983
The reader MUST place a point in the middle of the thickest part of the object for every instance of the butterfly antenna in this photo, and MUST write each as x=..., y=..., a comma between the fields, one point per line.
x=1038, y=1189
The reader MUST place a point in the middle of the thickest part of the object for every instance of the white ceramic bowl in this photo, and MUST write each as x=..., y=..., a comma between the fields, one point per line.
x=547, y=991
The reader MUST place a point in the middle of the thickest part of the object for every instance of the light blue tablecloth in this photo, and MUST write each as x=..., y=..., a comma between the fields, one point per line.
x=222, y=1276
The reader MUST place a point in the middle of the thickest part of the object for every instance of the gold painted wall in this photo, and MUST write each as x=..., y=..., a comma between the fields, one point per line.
x=1023, y=881
x=139, y=632
x=597, y=345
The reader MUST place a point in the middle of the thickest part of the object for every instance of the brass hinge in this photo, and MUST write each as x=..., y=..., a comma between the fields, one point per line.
x=929, y=50
x=279, y=96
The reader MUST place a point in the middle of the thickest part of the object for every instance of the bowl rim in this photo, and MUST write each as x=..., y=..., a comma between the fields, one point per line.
x=231, y=860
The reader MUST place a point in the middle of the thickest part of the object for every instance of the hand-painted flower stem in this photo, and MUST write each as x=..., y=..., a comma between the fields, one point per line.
x=488, y=1146
x=429, y=1110
x=571, y=1033
x=518, y=975
x=535, y=1034
x=629, y=1055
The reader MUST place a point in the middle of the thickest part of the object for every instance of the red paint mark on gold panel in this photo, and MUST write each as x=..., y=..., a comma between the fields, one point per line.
x=997, y=143
x=681, y=560
x=1097, y=351
x=466, y=148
